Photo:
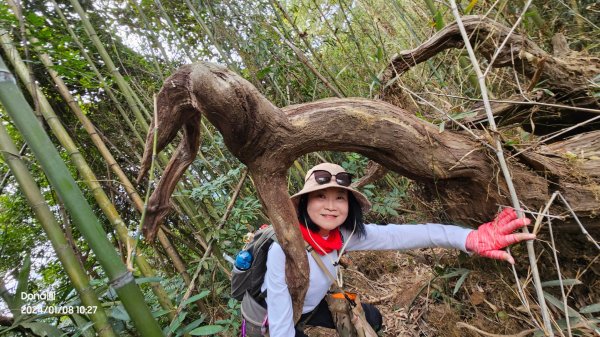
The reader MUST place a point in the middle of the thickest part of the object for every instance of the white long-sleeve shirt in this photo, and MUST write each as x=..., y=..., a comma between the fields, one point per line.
x=388, y=237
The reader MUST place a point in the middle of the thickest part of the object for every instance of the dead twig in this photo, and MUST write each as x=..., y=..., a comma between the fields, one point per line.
x=583, y=230
x=560, y=278
x=502, y=161
x=550, y=105
x=499, y=49
x=307, y=63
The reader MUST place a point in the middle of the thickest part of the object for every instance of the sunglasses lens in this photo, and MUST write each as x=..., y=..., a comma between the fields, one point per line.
x=322, y=177
x=343, y=178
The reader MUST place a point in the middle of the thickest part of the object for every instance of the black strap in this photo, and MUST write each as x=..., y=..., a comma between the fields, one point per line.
x=262, y=298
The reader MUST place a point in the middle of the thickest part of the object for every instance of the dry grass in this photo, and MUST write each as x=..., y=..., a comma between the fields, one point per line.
x=401, y=286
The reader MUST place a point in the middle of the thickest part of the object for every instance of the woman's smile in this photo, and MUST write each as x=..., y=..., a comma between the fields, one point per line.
x=328, y=208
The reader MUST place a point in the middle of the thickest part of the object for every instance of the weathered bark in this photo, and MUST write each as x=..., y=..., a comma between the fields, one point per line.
x=568, y=74
x=268, y=139
x=565, y=73
x=373, y=172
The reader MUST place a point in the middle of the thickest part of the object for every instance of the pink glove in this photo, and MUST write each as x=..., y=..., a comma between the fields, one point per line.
x=490, y=237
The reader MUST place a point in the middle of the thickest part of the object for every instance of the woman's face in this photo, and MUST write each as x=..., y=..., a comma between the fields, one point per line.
x=328, y=208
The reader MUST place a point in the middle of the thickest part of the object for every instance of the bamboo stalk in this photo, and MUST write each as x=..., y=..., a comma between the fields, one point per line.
x=438, y=19
x=177, y=261
x=499, y=49
x=181, y=40
x=61, y=180
x=207, y=253
x=126, y=90
x=504, y=168
x=354, y=39
x=65, y=254
x=307, y=63
x=211, y=37
x=91, y=180
x=174, y=256
x=99, y=76
x=335, y=34
x=153, y=41
x=277, y=6
x=140, y=260
x=4, y=180
x=118, y=78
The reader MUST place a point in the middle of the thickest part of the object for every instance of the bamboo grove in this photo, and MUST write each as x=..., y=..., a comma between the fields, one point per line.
x=77, y=85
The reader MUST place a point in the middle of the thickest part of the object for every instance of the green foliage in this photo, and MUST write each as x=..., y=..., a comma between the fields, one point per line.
x=206, y=330
x=347, y=42
x=17, y=229
x=448, y=273
x=385, y=205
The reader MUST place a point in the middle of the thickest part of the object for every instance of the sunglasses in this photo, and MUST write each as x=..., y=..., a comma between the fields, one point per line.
x=323, y=177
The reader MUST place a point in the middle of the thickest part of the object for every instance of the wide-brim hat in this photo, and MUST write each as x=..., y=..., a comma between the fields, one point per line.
x=311, y=185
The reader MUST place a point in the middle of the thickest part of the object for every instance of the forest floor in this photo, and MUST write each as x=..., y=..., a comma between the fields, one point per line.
x=418, y=295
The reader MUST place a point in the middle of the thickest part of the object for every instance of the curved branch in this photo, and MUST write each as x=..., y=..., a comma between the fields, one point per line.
x=563, y=75
x=268, y=139
x=373, y=172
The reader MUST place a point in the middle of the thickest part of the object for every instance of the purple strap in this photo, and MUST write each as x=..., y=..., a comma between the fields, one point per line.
x=243, y=327
x=265, y=326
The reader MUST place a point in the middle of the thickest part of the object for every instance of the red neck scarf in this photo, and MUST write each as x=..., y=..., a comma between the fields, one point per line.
x=322, y=246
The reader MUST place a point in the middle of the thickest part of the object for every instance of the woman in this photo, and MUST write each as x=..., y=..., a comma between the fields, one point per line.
x=331, y=221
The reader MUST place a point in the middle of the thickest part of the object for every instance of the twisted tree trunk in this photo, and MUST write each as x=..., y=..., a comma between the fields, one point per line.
x=268, y=139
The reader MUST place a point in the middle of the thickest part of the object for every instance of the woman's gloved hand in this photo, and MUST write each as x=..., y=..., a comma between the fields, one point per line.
x=491, y=237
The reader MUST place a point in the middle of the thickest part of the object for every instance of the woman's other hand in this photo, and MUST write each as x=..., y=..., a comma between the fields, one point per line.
x=491, y=237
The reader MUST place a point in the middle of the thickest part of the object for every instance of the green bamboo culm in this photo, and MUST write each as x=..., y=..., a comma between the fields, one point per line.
x=66, y=256
x=88, y=224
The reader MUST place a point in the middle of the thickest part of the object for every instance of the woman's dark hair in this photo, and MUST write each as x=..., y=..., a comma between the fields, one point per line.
x=355, y=216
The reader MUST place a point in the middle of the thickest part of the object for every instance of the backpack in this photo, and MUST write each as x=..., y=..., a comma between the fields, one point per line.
x=251, y=279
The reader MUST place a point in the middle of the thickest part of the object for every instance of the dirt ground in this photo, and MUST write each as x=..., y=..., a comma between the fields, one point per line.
x=418, y=295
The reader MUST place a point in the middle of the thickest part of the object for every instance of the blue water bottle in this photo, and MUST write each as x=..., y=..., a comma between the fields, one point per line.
x=243, y=260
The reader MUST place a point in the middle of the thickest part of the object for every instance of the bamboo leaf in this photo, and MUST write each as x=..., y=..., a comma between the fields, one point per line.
x=207, y=330
x=470, y=6
x=565, y=282
x=344, y=69
x=563, y=322
x=177, y=322
x=159, y=313
x=455, y=273
x=42, y=329
x=83, y=325
x=590, y=308
x=460, y=281
x=466, y=114
x=196, y=297
x=22, y=285
x=191, y=326
x=560, y=306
